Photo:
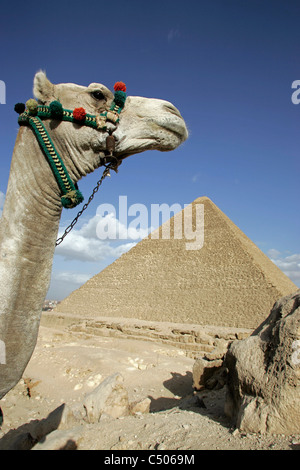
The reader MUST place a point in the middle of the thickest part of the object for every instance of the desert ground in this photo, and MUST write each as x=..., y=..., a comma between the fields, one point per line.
x=67, y=365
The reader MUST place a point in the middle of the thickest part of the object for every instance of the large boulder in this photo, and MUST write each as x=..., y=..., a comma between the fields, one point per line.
x=263, y=386
x=110, y=398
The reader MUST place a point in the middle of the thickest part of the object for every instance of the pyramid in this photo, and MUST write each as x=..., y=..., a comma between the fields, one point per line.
x=226, y=282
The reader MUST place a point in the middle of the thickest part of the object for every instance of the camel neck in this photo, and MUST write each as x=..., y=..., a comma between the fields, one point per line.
x=32, y=206
x=28, y=231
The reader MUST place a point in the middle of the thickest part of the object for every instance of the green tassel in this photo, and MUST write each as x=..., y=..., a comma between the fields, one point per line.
x=120, y=98
x=72, y=199
x=56, y=110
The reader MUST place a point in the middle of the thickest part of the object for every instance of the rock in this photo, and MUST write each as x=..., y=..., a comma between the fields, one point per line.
x=78, y=387
x=61, y=440
x=110, y=397
x=94, y=381
x=218, y=352
x=263, y=387
x=203, y=370
x=142, y=406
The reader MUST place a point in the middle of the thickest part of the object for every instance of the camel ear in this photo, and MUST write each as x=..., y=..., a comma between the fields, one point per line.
x=43, y=89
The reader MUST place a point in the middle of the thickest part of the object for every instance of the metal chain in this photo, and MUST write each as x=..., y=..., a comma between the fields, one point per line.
x=106, y=172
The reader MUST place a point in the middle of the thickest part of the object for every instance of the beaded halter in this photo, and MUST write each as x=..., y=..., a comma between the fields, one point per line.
x=32, y=115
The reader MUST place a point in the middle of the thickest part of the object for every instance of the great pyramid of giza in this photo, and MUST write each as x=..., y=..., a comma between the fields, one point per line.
x=228, y=282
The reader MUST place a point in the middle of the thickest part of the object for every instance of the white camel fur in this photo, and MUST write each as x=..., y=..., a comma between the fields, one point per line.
x=32, y=209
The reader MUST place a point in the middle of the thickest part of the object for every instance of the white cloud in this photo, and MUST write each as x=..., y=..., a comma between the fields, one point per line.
x=273, y=254
x=98, y=239
x=110, y=228
x=289, y=264
x=73, y=277
x=65, y=282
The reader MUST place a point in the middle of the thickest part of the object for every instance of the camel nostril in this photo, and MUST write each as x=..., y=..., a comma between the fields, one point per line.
x=171, y=108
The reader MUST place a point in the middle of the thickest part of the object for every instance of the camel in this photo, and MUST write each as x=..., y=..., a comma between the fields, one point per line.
x=33, y=204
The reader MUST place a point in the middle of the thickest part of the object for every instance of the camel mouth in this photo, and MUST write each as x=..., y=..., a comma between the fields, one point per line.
x=171, y=121
x=164, y=134
x=177, y=130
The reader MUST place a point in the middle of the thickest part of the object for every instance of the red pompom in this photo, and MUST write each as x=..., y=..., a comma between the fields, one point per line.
x=120, y=86
x=79, y=114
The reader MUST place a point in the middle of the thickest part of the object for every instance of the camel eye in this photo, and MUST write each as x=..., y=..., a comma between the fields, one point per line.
x=98, y=95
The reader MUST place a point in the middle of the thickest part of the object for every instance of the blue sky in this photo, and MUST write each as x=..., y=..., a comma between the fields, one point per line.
x=228, y=65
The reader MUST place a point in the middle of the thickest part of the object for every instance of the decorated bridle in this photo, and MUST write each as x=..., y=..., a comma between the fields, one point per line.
x=32, y=115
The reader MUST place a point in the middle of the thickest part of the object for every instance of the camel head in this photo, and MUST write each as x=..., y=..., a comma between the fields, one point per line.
x=144, y=124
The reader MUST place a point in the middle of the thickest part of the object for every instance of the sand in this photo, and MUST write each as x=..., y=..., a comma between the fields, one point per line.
x=67, y=365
